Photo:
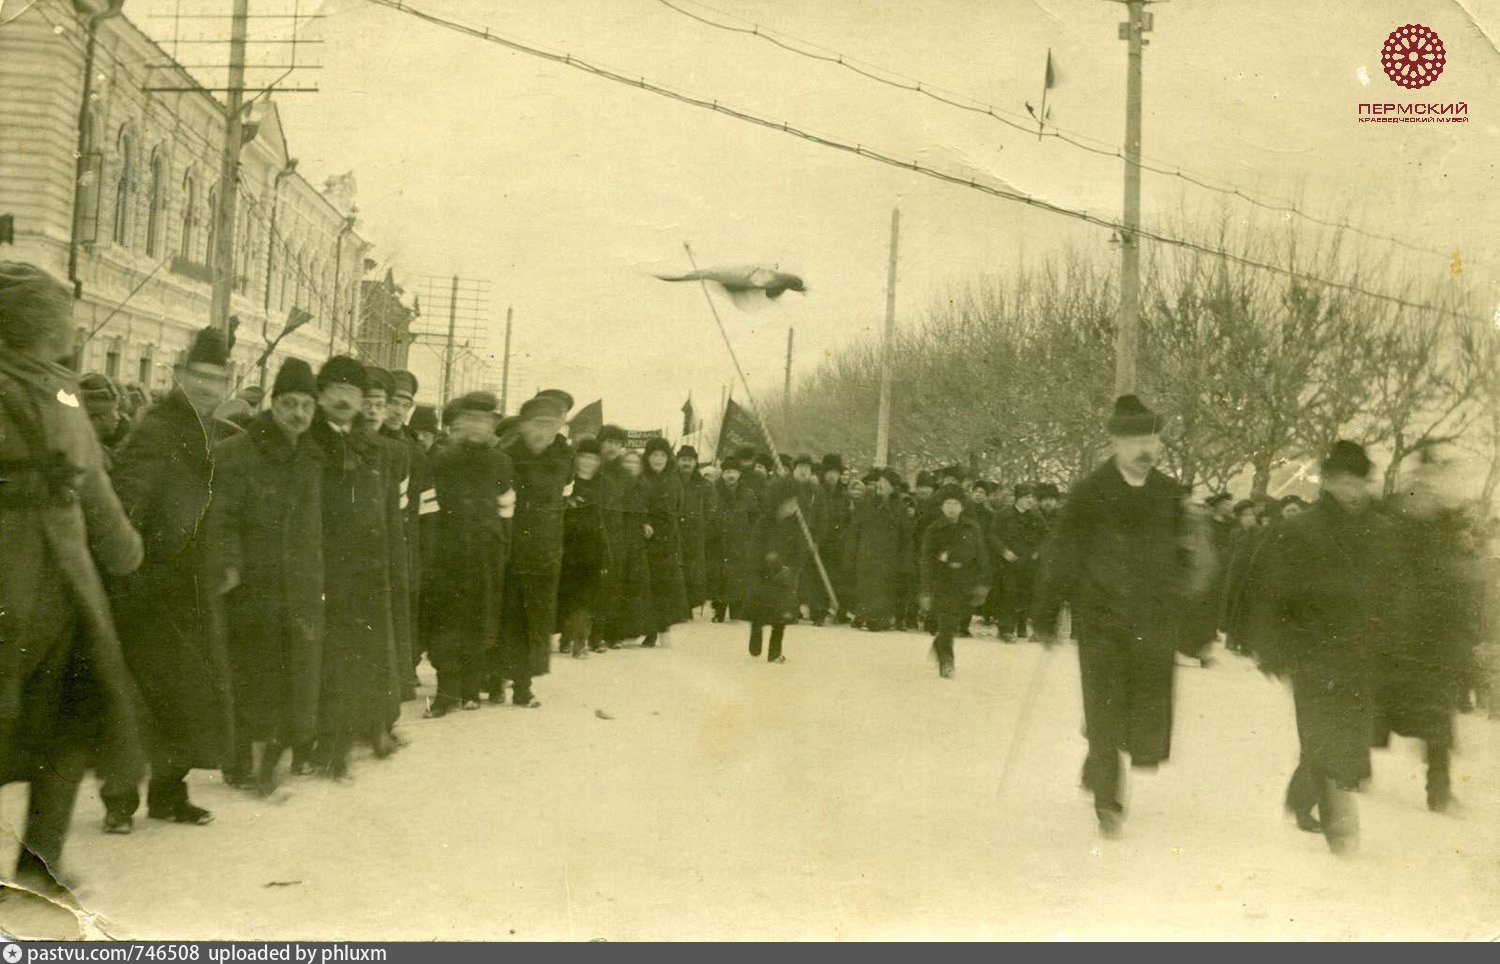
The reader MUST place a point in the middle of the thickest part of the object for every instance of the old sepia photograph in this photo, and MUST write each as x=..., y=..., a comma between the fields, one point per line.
x=747, y=470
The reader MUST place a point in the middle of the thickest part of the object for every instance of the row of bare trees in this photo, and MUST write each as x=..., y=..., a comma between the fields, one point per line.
x=1255, y=368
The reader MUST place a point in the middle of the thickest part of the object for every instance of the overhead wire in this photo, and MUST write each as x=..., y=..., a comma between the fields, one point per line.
x=914, y=166
x=1034, y=128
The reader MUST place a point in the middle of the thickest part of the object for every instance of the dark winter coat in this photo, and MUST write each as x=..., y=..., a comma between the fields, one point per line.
x=403, y=629
x=1324, y=610
x=780, y=552
x=586, y=550
x=698, y=508
x=468, y=539
x=1421, y=674
x=60, y=524
x=265, y=523
x=663, y=495
x=731, y=544
x=625, y=590
x=419, y=480
x=880, y=556
x=1022, y=534
x=362, y=550
x=164, y=476
x=536, y=547
x=954, y=566
x=1127, y=559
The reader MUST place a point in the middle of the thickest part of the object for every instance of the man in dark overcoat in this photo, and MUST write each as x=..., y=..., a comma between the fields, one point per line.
x=585, y=554
x=879, y=552
x=1125, y=555
x=829, y=523
x=1323, y=610
x=265, y=563
x=542, y=460
x=399, y=412
x=625, y=590
x=470, y=501
x=732, y=550
x=66, y=698
x=400, y=454
x=362, y=547
x=164, y=476
x=697, y=510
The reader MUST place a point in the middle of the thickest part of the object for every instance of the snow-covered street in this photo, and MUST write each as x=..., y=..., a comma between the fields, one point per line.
x=692, y=792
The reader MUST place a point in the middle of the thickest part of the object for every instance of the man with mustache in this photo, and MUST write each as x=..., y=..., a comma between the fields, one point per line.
x=1126, y=553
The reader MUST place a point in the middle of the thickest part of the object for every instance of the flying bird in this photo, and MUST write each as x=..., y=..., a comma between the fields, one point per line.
x=745, y=284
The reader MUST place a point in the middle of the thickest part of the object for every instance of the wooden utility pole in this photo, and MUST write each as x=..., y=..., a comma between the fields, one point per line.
x=786, y=392
x=1128, y=330
x=883, y=420
x=505, y=365
x=448, y=352
x=229, y=171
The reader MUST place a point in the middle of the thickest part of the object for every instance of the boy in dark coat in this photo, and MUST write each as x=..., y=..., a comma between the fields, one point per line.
x=163, y=475
x=732, y=548
x=265, y=545
x=585, y=554
x=1125, y=554
x=66, y=698
x=780, y=549
x=362, y=547
x=471, y=503
x=955, y=572
x=543, y=462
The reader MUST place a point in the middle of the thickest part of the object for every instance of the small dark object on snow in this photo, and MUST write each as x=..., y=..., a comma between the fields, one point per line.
x=603, y=715
x=283, y=883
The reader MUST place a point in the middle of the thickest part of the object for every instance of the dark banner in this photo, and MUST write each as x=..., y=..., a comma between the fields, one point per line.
x=588, y=421
x=739, y=429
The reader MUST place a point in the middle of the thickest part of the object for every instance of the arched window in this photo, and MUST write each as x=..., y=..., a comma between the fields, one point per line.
x=189, y=215
x=90, y=182
x=124, y=190
x=156, y=201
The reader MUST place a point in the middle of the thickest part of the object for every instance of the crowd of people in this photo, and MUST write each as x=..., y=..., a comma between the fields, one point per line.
x=249, y=583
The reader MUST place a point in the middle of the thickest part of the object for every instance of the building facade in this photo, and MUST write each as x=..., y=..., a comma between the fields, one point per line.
x=109, y=162
x=385, y=335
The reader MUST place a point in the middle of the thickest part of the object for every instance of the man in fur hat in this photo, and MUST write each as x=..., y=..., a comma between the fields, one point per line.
x=377, y=404
x=1125, y=555
x=163, y=476
x=829, y=523
x=101, y=398
x=731, y=546
x=1016, y=544
x=265, y=551
x=879, y=552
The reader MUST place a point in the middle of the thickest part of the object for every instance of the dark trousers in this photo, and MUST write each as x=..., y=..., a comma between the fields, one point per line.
x=944, y=625
x=461, y=676
x=49, y=811
x=526, y=619
x=757, y=634
x=1015, y=598
x=1127, y=707
x=165, y=790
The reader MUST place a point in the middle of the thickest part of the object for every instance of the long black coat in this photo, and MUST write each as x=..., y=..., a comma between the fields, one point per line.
x=663, y=496
x=698, y=509
x=60, y=525
x=164, y=477
x=586, y=555
x=467, y=542
x=1325, y=608
x=1127, y=559
x=954, y=566
x=265, y=522
x=881, y=556
x=625, y=590
x=362, y=550
x=780, y=553
x=731, y=544
x=830, y=529
x=419, y=480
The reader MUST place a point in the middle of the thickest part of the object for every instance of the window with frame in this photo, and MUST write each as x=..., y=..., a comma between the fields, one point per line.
x=124, y=190
x=156, y=201
x=189, y=215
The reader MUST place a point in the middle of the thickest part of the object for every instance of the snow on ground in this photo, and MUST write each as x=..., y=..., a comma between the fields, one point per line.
x=849, y=793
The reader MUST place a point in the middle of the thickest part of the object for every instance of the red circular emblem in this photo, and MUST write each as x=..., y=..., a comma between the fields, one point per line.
x=1413, y=56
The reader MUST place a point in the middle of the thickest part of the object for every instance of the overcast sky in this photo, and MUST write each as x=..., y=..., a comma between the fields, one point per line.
x=566, y=191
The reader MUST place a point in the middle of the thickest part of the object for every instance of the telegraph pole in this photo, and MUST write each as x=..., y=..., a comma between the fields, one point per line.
x=786, y=392
x=229, y=171
x=883, y=422
x=1127, y=332
x=448, y=352
x=505, y=365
